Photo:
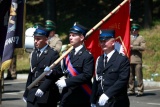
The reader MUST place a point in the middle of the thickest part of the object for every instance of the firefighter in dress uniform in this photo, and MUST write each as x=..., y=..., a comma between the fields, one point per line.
x=78, y=69
x=112, y=74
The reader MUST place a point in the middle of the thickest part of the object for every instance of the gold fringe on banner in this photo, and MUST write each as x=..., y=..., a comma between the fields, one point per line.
x=5, y=65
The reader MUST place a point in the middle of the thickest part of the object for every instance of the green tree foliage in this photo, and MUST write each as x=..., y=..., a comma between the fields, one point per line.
x=86, y=12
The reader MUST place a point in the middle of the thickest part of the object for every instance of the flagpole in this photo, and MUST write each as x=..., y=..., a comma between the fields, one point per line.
x=69, y=50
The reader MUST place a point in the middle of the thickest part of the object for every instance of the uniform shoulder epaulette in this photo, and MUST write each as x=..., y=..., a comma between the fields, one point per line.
x=52, y=48
x=88, y=51
x=122, y=54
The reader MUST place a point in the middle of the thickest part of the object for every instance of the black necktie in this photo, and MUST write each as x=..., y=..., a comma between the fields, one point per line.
x=105, y=60
x=72, y=53
x=38, y=54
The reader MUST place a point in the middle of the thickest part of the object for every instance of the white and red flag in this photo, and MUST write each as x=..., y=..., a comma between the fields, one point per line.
x=119, y=20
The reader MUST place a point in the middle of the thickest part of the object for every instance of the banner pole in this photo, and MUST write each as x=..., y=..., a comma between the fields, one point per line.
x=69, y=50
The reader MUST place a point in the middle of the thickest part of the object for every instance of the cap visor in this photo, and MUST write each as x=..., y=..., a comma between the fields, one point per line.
x=74, y=31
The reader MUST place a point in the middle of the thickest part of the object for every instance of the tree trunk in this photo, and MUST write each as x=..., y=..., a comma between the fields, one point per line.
x=148, y=13
x=50, y=10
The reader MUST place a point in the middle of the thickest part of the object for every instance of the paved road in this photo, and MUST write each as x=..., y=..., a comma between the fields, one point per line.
x=13, y=91
x=151, y=98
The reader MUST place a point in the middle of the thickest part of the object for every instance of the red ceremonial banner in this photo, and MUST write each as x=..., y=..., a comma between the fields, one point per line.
x=120, y=22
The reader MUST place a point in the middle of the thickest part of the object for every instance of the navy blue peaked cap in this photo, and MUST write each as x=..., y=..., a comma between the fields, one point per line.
x=77, y=28
x=106, y=34
x=41, y=32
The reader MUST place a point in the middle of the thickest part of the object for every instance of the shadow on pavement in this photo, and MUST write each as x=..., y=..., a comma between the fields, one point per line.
x=9, y=91
x=10, y=99
x=149, y=94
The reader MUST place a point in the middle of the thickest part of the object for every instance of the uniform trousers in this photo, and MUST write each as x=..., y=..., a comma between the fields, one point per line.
x=136, y=70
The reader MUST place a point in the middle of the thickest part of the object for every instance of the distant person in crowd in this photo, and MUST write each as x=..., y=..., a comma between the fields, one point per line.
x=137, y=46
x=112, y=74
x=78, y=70
x=45, y=93
x=37, y=25
x=53, y=40
x=12, y=71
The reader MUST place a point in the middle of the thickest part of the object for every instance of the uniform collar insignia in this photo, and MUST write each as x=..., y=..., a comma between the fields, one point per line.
x=80, y=52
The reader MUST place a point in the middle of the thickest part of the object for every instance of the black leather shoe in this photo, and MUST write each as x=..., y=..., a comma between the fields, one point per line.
x=139, y=95
x=14, y=78
x=9, y=78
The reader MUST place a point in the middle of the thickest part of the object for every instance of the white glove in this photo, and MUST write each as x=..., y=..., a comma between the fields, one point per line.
x=103, y=100
x=39, y=93
x=93, y=105
x=48, y=69
x=61, y=83
x=25, y=99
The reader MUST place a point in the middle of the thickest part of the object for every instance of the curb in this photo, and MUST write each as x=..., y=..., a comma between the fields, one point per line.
x=22, y=76
x=151, y=84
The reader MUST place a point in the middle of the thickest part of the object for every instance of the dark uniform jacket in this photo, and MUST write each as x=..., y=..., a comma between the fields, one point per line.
x=83, y=62
x=47, y=84
x=112, y=79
